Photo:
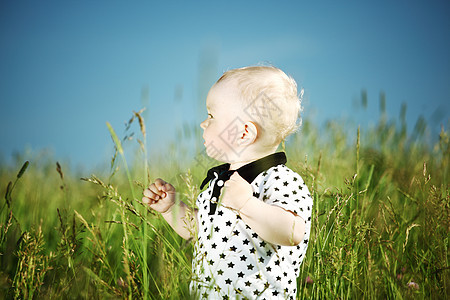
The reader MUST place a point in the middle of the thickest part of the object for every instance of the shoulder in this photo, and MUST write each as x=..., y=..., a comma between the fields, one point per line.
x=283, y=187
x=280, y=173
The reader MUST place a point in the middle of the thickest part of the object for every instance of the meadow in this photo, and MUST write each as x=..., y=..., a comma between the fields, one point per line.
x=381, y=217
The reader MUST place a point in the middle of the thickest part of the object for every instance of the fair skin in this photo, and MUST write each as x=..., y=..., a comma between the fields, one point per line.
x=230, y=137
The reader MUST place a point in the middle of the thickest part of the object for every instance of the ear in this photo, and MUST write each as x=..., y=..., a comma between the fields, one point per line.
x=248, y=135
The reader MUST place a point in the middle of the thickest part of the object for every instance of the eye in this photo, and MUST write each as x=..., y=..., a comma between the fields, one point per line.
x=210, y=116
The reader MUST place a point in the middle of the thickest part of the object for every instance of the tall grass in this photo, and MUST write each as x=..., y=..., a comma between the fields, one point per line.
x=381, y=220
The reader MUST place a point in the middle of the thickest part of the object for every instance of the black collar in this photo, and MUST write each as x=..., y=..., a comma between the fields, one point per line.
x=248, y=171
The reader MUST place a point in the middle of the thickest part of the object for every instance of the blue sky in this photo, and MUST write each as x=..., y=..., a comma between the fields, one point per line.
x=67, y=67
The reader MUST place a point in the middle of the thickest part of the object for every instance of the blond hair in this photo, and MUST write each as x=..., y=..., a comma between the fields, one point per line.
x=270, y=99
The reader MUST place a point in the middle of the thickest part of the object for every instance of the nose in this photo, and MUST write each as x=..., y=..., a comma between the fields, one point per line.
x=203, y=124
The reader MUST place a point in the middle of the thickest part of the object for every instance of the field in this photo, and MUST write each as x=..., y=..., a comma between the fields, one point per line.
x=381, y=218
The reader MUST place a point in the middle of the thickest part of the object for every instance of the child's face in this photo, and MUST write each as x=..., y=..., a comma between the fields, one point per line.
x=220, y=129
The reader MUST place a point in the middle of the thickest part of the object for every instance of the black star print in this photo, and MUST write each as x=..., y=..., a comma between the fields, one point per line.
x=277, y=177
x=300, y=187
x=219, y=272
x=278, y=278
x=228, y=281
x=277, y=262
x=208, y=278
x=236, y=232
x=233, y=248
x=214, y=246
x=231, y=265
x=295, y=178
x=269, y=253
x=250, y=267
x=247, y=283
x=216, y=229
x=252, y=250
x=243, y=258
x=211, y=262
x=246, y=241
x=261, y=260
x=256, y=195
x=256, y=292
x=222, y=255
x=241, y=275
x=269, y=269
x=228, y=223
x=254, y=235
x=285, y=183
x=258, y=276
x=220, y=213
x=224, y=239
x=262, y=244
x=205, y=295
x=225, y=297
x=275, y=293
x=276, y=189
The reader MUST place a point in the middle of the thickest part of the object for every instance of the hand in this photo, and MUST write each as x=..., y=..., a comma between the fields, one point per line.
x=160, y=196
x=236, y=192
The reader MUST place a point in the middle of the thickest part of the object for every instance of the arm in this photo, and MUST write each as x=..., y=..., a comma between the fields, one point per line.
x=160, y=196
x=272, y=223
x=182, y=219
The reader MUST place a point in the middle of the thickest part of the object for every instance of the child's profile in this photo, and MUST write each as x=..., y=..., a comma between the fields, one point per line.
x=253, y=219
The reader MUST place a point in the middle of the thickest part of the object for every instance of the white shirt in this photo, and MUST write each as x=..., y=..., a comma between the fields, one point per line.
x=230, y=259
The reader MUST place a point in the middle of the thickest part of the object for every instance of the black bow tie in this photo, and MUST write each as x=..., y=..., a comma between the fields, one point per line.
x=248, y=172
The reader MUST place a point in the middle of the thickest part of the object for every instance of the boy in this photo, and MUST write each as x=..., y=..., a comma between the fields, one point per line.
x=253, y=220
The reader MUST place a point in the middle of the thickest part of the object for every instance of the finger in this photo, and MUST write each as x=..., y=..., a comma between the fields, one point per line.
x=159, y=183
x=151, y=194
x=146, y=200
x=169, y=188
x=155, y=189
x=149, y=201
